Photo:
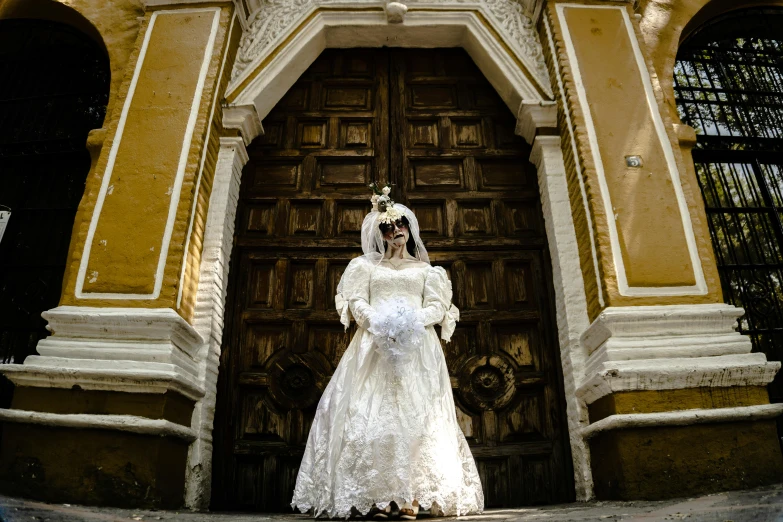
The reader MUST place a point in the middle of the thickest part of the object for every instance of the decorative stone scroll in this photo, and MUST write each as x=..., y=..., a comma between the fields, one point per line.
x=274, y=20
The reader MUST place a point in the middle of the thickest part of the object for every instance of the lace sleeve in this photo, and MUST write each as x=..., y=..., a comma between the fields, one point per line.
x=436, y=306
x=353, y=294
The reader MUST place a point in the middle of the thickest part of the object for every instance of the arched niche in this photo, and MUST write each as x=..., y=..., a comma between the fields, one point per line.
x=55, y=90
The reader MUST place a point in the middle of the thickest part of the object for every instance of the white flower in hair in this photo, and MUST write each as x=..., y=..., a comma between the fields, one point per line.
x=390, y=216
x=386, y=190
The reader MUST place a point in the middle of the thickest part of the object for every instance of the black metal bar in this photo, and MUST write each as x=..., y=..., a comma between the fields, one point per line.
x=729, y=87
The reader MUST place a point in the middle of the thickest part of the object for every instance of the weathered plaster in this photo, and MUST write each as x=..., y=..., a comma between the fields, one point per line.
x=683, y=418
x=649, y=256
x=686, y=459
x=570, y=302
x=592, y=197
x=147, y=158
x=210, y=311
x=129, y=423
x=179, y=213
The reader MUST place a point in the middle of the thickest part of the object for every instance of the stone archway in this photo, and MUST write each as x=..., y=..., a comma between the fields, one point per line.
x=503, y=43
x=59, y=94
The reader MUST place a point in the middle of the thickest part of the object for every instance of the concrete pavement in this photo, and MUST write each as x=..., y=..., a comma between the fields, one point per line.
x=756, y=505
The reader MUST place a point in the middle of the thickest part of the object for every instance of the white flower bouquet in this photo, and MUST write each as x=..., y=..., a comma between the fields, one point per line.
x=398, y=331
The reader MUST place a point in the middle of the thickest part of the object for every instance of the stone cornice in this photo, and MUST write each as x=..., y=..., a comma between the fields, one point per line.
x=137, y=350
x=127, y=423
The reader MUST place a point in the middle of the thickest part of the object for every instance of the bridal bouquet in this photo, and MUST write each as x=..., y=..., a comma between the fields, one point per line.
x=397, y=329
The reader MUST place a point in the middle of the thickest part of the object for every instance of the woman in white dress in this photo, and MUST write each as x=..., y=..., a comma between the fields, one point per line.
x=385, y=434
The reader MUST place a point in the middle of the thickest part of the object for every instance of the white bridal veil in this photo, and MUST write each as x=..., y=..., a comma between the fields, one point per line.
x=372, y=240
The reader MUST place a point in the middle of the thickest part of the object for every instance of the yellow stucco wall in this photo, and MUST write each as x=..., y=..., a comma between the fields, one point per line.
x=145, y=163
x=190, y=279
x=120, y=24
x=133, y=217
x=651, y=234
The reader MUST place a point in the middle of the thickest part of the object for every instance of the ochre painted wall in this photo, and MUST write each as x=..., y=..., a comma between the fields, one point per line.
x=650, y=226
x=146, y=162
x=133, y=217
x=649, y=223
x=190, y=278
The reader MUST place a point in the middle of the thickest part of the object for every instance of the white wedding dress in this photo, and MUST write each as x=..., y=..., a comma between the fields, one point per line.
x=386, y=429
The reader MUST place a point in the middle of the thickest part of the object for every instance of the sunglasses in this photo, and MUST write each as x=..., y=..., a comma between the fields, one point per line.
x=388, y=227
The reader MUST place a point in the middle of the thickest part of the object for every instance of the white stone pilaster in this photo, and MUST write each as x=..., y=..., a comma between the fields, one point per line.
x=243, y=118
x=570, y=300
x=210, y=311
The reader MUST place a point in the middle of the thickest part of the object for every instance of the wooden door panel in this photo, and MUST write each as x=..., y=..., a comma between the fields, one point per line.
x=427, y=121
x=459, y=153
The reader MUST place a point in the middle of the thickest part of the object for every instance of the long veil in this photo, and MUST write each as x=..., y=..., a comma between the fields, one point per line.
x=372, y=239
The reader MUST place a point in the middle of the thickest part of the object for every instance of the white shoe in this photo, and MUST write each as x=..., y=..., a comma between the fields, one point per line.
x=409, y=511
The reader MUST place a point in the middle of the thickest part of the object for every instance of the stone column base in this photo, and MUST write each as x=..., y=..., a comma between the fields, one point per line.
x=93, y=466
x=660, y=462
x=103, y=415
x=677, y=404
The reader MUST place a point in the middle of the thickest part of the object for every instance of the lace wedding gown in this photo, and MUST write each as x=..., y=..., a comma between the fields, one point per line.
x=387, y=430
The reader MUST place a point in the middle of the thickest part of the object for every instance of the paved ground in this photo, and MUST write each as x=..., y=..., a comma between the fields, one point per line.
x=757, y=505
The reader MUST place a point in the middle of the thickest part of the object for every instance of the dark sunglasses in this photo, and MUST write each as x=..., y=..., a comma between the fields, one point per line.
x=388, y=227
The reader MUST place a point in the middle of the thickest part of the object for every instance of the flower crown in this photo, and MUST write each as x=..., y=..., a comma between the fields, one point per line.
x=383, y=203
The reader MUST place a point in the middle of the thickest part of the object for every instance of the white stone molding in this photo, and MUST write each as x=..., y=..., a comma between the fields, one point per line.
x=173, y=3
x=570, y=300
x=128, y=423
x=669, y=347
x=243, y=118
x=273, y=73
x=535, y=114
x=210, y=312
x=136, y=350
x=274, y=21
x=683, y=418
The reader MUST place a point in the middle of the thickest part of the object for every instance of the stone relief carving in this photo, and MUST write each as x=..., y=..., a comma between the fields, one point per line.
x=274, y=19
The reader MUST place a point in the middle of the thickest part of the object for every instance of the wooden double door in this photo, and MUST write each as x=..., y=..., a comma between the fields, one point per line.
x=429, y=122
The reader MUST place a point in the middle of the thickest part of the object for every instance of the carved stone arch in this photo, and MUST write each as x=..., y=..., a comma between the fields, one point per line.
x=713, y=8
x=283, y=38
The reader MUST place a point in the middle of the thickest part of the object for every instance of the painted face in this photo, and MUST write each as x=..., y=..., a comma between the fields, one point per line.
x=396, y=233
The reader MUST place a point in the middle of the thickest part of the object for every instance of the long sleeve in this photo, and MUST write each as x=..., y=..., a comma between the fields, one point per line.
x=436, y=306
x=353, y=294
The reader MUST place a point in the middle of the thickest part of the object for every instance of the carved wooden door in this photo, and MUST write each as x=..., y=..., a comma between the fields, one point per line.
x=428, y=121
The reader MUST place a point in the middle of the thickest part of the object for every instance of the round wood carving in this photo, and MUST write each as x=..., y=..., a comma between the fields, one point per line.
x=297, y=380
x=486, y=382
